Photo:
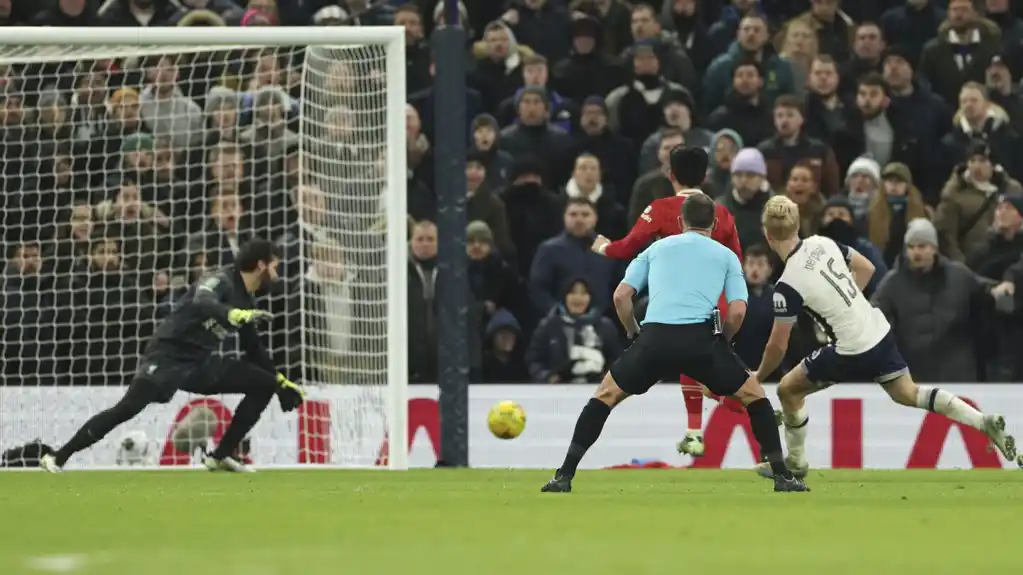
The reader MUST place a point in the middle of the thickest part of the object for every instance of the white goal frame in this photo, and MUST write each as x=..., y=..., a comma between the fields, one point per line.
x=392, y=38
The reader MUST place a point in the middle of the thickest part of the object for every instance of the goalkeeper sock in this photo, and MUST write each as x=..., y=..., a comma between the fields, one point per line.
x=245, y=418
x=587, y=430
x=795, y=432
x=693, y=396
x=761, y=418
x=952, y=407
x=99, y=425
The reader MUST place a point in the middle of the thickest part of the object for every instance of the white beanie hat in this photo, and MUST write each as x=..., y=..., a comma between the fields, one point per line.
x=866, y=166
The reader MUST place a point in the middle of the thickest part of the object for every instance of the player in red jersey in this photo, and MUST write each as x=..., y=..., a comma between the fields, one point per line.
x=660, y=219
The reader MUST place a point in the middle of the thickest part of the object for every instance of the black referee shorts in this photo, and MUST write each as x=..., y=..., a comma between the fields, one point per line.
x=663, y=351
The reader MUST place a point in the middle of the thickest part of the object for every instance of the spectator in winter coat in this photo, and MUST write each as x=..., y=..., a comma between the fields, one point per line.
x=493, y=282
x=617, y=155
x=802, y=188
x=751, y=339
x=722, y=32
x=635, y=109
x=684, y=19
x=723, y=148
x=1004, y=243
x=798, y=47
x=575, y=343
x=615, y=18
x=568, y=256
x=748, y=195
x=68, y=14
x=1003, y=91
x=924, y=118
x=534, y=135
x=932, y=304
x=655, y=183
x=834, y=28
x=503, y=356
x=587, y=70
x=961, y=51
x=585, y=183
x=891, y=211
x=418, y=55
x=752, y=43
x=542, y=24
x=862, y=182
x=26, y=294
x=913, y=24
x=837, y=223
x=485, y=206
x=486, y=139
x=968, y=202
x=675, y=65
x=678, y=112
x=745, y=108
x=535, y=214
x=561, y=111
x=422, y=303
x=166, y=111
x=791, y=145
x=978, y=118
x=139, y=13
x=425, y=103
x=498, y=71
x=826, y=111
x=867, y=50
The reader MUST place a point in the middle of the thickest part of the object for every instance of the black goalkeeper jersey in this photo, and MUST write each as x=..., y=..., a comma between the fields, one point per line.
x=198, y=324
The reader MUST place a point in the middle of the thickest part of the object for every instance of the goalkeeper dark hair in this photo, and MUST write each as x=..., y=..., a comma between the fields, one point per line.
x=699, y=212
x=254, y=251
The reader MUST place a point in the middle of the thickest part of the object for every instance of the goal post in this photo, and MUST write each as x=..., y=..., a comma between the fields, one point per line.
x=136, y=158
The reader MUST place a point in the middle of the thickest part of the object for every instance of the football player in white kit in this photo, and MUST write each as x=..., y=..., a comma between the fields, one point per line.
x=825, y=280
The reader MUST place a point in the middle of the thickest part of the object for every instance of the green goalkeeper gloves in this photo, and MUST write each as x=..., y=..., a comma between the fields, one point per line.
x=240, y=317
x=289, y=393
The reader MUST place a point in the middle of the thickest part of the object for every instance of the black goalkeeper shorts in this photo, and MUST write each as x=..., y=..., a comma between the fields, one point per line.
x=663, y=351
x=163, y=376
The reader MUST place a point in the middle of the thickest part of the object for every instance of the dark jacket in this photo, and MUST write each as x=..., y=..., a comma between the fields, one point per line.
x=577, y=349
x=752, y=121
x=938, y=61
x=562, y=259
x=551, y=144
x=933, y=318
x=747, y=216
x=117, y=13
x=781, y=158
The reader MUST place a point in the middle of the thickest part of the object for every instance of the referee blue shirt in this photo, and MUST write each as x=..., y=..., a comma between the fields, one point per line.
x=686, y=275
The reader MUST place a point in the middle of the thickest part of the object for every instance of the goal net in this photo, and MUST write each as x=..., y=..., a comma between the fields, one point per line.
x=136, y=159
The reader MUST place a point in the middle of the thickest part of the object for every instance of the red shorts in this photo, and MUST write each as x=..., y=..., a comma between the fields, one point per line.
x=723, y=308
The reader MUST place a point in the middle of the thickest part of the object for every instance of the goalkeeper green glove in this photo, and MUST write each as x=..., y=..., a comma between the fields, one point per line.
x=289, y=393
x=239, y=317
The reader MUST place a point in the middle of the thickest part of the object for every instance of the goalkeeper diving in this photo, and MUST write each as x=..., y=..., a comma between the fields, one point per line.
x=182, y=355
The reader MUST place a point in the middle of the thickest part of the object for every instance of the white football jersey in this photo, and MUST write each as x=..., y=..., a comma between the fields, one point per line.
x=817, y=280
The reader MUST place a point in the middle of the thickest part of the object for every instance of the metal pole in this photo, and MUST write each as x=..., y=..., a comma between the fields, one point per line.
x=452, y=263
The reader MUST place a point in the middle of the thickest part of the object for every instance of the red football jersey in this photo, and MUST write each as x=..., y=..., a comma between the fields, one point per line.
x=660, y=219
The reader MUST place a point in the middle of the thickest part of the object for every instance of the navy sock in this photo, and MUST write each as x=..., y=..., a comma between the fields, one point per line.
x=587, y=430
x=765, y=429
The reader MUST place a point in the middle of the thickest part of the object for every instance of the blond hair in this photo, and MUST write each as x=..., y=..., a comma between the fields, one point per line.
x=780, y=218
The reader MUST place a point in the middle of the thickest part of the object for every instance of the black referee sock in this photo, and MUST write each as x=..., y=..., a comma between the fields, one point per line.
x=765, y=429
x=587, y=430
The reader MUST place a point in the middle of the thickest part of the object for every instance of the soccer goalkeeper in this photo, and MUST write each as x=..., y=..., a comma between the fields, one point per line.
x=182, y=355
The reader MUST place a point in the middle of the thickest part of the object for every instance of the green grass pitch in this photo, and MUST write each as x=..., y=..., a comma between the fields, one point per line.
x=453, y=522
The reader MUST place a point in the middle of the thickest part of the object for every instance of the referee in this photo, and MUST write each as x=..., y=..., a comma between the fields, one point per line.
x=685, y=275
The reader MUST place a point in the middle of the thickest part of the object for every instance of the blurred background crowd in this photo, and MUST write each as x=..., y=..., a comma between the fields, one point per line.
x=894, y=125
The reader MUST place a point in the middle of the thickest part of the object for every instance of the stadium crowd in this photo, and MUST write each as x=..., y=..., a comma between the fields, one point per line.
x=894, y=124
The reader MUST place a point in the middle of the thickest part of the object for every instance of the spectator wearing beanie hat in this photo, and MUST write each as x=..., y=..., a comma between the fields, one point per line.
x=617, y=154
x=534, y=134
x=931, y=304
x=723, y=148
x=837, y=223
x=1004, y=242
x=891, y=210
x=504, y=353
x=635, y=108
x=491, y=279
x=486, y=139
x=678, y=112
x=533, y=209
x=747, y=196
x=587, y=70
x=862, y=182
x=484, y=205
x=969, y=200
x=535, y=74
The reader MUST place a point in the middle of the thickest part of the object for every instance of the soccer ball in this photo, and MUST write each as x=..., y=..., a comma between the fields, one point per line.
x=506, y=420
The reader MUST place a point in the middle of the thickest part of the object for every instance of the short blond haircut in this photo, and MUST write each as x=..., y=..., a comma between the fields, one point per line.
x=780, y=218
